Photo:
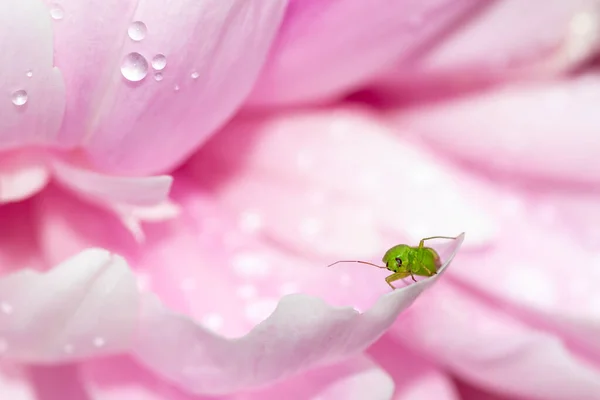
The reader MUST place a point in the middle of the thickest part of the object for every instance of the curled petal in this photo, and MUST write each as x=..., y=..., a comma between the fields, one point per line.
x=302, y=332
x=85, y=306
x=212, y=284
x=543, y=130
x=133, y=200
x=213, y=51
x=38, y=101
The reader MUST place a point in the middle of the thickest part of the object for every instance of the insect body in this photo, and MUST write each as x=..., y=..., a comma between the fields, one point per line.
x=404, y=261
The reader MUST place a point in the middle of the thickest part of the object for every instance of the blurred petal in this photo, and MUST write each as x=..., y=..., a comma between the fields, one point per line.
x=22, y=175
x=215, y=284
x=546, y=130
x=415, y=378
x=346, y=185
x=530, y=31
x=121, y=123
x=26, y=43
x=352, y=40
x=485, y=345
x=356, y=379
x=539, y=40
x=532, y=284
x=84, y=306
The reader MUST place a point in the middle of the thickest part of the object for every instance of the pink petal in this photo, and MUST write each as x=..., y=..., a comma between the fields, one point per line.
x=545, y=130
x=346, y=185
x=536, y=41
x=415, y=378
x=215, y=283
x=132, y=199
x=482, y=343
x=26, y=42
x=85, y=306
x=326, y=48
x=22, y=174
x=121, y=123
x=356, y=379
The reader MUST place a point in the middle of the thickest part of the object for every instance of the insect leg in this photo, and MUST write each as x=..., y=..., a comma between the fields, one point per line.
x=422, y=242
x=397, y=276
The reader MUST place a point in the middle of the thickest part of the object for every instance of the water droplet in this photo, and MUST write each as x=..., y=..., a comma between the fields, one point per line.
x=29, y=73
x=137, y=31
x=176, y=88
x=99, y=341
x=19, y=97
x=134, y=67
x=56, y=12
x=6, y=308
x=159, y=62
x=158, y=76
x=68, y=348
x=195, y=75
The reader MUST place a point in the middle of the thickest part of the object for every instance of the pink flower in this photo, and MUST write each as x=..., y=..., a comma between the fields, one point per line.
x=228, y=294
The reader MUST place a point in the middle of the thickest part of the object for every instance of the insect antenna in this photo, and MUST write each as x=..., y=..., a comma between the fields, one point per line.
x=355, y=261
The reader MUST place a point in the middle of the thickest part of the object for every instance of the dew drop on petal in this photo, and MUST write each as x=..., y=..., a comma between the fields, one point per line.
x=19, y=97
x=29, y=73
x=137, y=31
x=158, y=76
x=176, y=88
x=195, y=75
x=159, y=62
x=56, y=12
x=99, y=341
x=134, y=67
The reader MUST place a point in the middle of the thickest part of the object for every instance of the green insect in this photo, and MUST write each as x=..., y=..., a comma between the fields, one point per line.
x=404, y=261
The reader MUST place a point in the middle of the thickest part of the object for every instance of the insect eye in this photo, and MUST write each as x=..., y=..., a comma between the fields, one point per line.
x=398, y=261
